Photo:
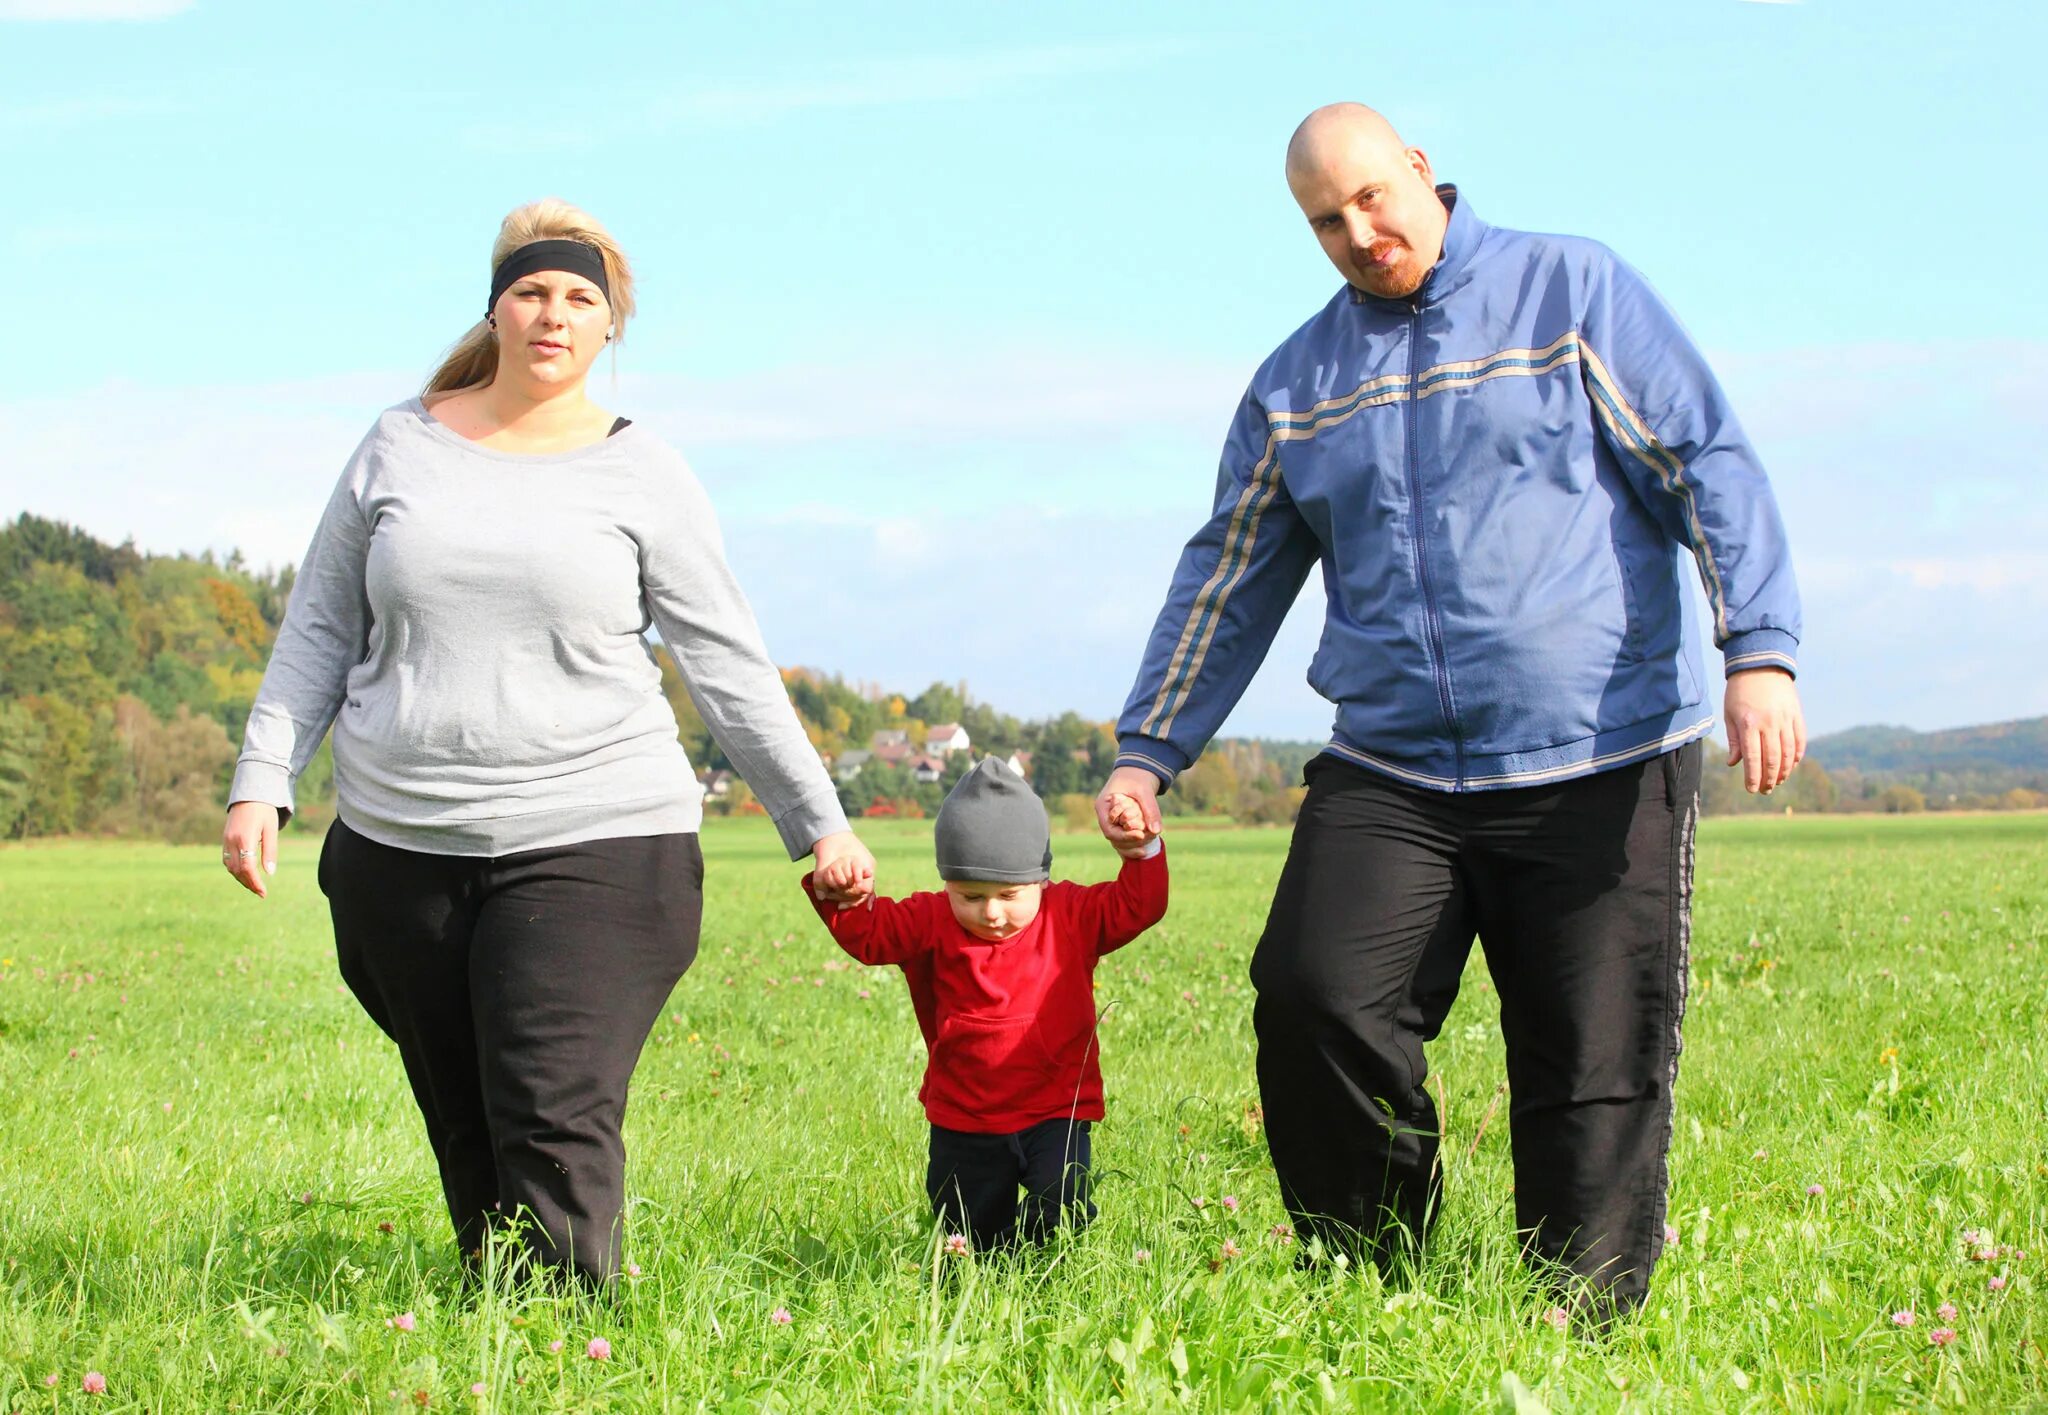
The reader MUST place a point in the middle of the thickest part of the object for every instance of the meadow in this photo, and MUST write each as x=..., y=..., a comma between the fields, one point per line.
x=215, y=1193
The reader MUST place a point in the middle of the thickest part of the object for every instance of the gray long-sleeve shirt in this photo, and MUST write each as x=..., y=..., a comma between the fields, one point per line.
x=470, y=622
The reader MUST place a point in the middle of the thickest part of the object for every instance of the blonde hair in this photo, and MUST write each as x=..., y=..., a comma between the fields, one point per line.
x=474, y=358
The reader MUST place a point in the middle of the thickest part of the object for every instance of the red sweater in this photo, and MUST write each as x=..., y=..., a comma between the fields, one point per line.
x=1009, y=1027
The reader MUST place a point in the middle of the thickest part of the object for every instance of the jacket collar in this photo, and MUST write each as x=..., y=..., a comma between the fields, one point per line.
x=1461, y=238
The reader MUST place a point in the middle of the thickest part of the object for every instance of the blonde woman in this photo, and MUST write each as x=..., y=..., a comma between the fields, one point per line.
x=514, y=874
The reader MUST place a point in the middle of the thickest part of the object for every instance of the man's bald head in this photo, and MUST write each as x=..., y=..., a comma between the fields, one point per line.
x=1336, y=127
x=1370, y=199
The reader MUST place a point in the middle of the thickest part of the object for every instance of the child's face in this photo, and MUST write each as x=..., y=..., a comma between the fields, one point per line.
x=991, y=909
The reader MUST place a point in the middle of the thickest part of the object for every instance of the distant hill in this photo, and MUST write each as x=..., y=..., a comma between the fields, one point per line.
x=1996, y=766
x=1997, y=763
x=1994, y=748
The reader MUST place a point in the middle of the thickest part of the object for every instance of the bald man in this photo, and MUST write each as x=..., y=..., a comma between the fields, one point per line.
x=1499, y=447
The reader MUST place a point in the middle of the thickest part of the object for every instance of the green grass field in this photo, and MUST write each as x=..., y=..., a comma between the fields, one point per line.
x=215, y=1190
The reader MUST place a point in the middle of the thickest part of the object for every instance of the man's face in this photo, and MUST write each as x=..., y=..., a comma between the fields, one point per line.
x=992, y=910
x=1374, y=210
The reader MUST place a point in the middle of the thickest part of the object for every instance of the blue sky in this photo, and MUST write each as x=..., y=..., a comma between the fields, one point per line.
x=949, y=305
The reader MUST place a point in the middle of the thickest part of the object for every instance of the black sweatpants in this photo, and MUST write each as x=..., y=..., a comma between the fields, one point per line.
x=973, y=1180
x=520, y=991
x=1580, y=895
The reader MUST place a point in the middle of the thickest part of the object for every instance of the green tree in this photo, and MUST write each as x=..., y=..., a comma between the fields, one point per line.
x=177, y=769
x=1060, y=758
x=1810, y=789
x=63, y=634
x=30, y=539
x=1211, y=786
x=78, y=774
x=1900, y=799
x=690, y=728
x=877, y=781
x=21, y=750
x=941, y=702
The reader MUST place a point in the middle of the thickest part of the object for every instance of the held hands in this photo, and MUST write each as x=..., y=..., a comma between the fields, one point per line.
x=1126, y=819
x=248, y=844
x=1766, y=729
x=1128, y=810
x=845, y=872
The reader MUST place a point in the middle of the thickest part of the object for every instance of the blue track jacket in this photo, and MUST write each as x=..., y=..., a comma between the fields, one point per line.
x=1497, y=476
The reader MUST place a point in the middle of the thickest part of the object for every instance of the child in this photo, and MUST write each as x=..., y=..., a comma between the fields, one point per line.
x=1001, y=968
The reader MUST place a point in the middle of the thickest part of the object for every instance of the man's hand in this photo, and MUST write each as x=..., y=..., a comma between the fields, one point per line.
x=1126, y=817
x=845, y=872
x=1766, y=729
x=1127, y=809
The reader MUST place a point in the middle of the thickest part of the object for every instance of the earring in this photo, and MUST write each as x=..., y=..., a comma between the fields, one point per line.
x=607, y=336
x=491, y=321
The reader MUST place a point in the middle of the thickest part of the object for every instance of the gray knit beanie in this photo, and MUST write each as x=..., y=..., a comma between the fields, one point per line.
x=993, y=827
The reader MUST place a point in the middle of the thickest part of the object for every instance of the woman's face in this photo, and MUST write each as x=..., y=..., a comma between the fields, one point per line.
x=551, y=326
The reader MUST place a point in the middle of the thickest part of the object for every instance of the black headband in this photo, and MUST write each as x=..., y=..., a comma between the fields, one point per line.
x=574, y=257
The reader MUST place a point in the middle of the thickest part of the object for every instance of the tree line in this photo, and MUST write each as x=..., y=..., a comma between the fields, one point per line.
x=1850, y=789
x=125, y=682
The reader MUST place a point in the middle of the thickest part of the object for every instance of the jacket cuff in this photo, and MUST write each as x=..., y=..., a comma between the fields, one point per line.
x=1760, y=648
x=263, y=781
x=1162, y=759
x=811, y=820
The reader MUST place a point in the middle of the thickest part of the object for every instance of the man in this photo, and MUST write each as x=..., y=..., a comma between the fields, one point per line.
x=1498, y=446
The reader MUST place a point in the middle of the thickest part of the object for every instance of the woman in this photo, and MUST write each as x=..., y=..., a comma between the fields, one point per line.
x=514, y=874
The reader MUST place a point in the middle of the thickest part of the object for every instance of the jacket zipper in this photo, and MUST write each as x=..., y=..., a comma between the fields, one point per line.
x=1430, y=621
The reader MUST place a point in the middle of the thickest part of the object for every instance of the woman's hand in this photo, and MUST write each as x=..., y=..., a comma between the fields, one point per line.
x=248, y=841
x=845, y=872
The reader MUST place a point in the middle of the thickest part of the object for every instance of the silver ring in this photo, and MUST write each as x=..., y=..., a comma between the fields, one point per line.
x=245, y=854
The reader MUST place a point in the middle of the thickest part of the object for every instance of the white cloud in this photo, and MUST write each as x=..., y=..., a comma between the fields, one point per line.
x=228, y=466
x=1987, y=574
x=1900, y=453
x=92, y=9
x=188, y=469
x=1039, y=612
x=946, y=395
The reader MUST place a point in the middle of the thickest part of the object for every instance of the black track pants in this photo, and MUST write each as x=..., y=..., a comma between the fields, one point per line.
x=972, y=1181
x=520, y=991
x=1580, y=895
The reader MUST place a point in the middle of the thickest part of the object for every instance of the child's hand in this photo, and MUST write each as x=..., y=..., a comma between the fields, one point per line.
x=847, y=881
x=1127, y=817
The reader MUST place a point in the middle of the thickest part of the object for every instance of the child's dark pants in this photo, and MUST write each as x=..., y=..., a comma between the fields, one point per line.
x=973, y=1182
